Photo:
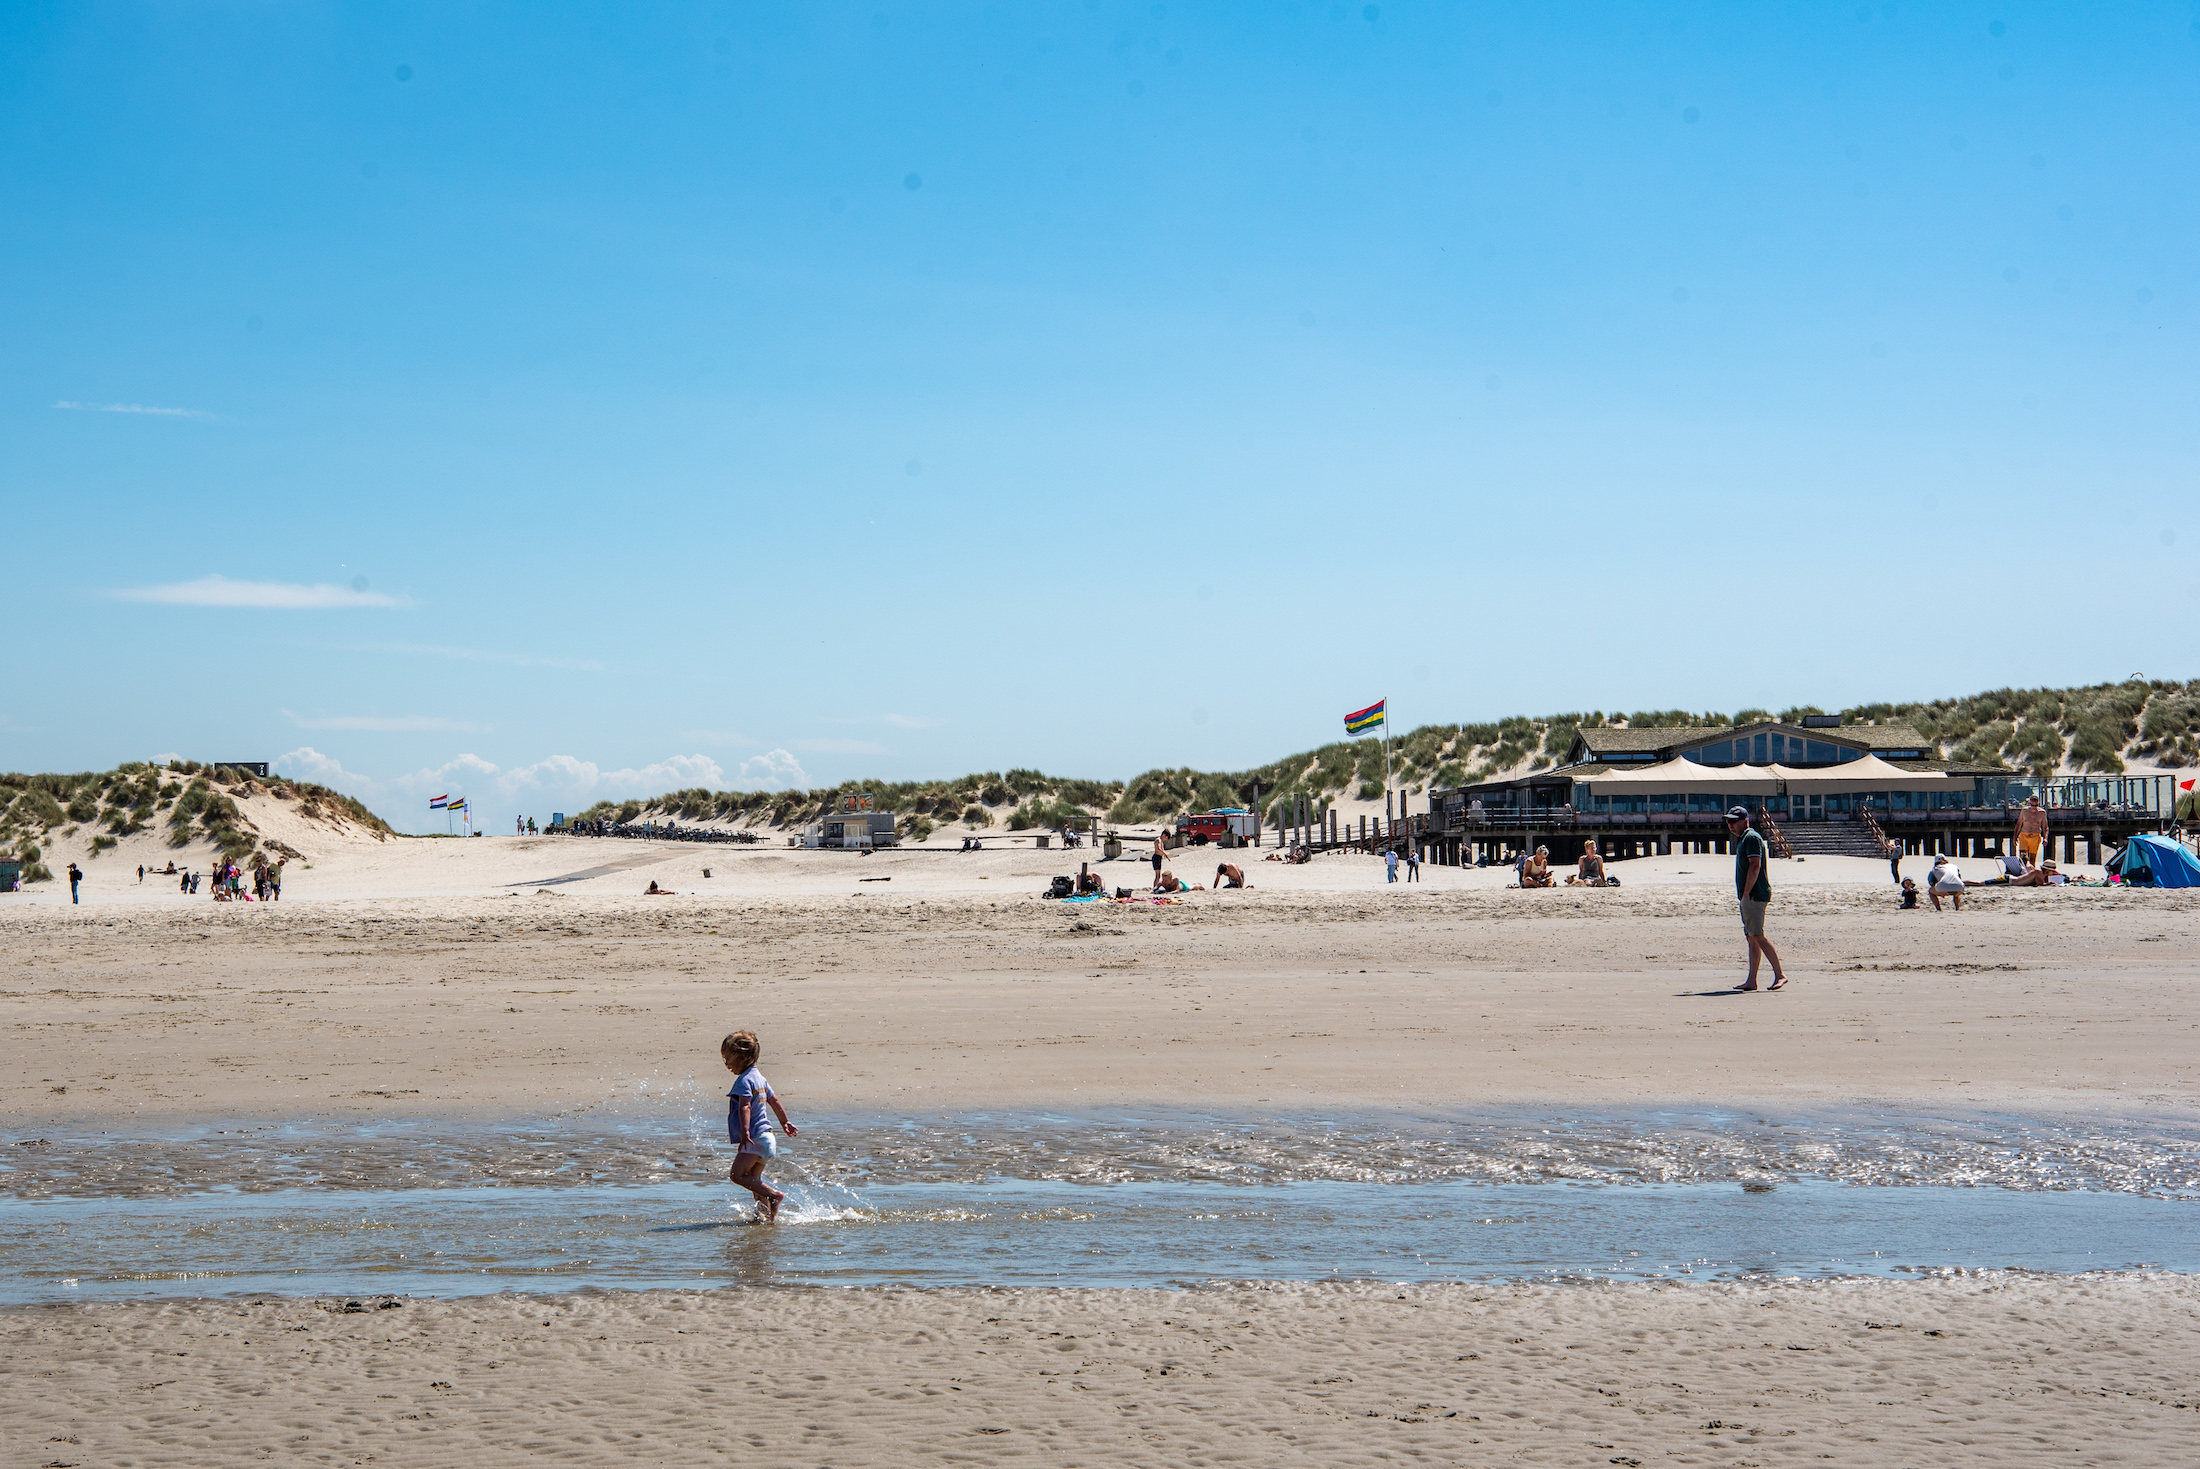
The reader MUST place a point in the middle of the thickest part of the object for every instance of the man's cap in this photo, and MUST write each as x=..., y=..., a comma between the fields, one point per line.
x=1737, y=813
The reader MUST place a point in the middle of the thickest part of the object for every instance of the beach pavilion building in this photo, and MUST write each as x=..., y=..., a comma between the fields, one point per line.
x=1814, y=786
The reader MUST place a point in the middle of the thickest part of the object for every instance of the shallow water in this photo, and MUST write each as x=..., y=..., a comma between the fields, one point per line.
x=463, y=1241
x=637, y=1198
x=679, y=1134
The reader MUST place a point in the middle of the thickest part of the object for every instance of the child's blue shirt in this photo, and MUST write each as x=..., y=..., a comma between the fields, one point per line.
x=751, y=1084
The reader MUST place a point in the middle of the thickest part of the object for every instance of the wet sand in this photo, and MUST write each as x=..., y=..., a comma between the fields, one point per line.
x=1963, y=1372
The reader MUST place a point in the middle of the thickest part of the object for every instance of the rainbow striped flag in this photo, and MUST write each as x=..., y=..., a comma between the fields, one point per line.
x=457, y=805
x=1365, y=719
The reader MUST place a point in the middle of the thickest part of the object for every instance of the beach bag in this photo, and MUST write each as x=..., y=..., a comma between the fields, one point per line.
x=1061, y=887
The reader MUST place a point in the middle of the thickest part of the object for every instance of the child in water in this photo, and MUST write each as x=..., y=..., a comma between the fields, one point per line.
x=748, y=1124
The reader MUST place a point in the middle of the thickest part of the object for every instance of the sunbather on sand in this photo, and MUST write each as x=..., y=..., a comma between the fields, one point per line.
x=658, y=892
x=1537, y=873
x=1169, y=882
x=1591, y=871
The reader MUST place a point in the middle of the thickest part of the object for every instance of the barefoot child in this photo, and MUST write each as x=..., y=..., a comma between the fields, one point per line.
x=748, y=1126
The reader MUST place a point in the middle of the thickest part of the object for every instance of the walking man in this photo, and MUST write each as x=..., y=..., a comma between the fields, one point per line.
x=1390, y=864
x=2031, y=830
x=1754, y=890
x=75, y=877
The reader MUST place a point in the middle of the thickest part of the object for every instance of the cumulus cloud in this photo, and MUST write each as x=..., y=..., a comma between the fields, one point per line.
x=565, y=775
x=134, y=408
x=777, y=771
x=307, y=763
x=378, y=724
x=562, y=782
x=220, y=591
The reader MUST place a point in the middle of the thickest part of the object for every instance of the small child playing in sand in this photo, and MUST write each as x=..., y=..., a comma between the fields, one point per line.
x=1909, y=892
x=748, y=1124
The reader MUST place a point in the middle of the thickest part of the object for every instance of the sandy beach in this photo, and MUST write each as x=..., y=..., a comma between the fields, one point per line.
x=391, y=988
x=955, y=978
x=1869, y=1373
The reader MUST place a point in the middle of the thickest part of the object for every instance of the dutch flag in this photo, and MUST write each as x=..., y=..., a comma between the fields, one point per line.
x=439, y=803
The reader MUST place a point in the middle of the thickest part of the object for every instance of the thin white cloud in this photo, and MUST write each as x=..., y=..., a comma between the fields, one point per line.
x=840, y=747
x=220, y=591
x=481, y=655
x=146, y=408
x=717, y=737
x=402, y=724
x=898, y=721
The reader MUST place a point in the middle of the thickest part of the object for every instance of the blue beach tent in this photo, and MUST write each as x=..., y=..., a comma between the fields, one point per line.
x=2172, y=864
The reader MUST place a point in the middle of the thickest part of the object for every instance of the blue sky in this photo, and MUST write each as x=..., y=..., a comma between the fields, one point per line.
x=552, y=402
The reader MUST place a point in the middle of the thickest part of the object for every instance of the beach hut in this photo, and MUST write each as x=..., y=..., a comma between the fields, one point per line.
x=865, y=829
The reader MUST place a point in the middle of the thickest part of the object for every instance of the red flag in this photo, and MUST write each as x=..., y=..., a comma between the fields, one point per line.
x=2184, y=785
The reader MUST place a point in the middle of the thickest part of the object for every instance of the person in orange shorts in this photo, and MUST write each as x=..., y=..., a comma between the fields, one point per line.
x=2031, y=830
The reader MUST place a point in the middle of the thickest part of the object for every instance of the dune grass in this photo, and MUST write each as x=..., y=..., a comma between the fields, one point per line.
x=2093, y=729
x=198, y=802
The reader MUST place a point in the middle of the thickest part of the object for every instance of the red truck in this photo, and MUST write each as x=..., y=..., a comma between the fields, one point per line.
x=1201, y=827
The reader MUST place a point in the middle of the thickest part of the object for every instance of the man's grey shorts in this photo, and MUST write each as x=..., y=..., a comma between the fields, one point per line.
x=1753, y=918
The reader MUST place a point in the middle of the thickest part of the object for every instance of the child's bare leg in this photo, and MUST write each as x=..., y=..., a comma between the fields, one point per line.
x=748, y=1172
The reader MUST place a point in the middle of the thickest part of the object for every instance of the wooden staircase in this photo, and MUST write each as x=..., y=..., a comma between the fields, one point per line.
x=1835, y=839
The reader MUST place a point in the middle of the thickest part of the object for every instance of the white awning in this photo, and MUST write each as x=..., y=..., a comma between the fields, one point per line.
x=1683, y=776
x=1869, y=774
